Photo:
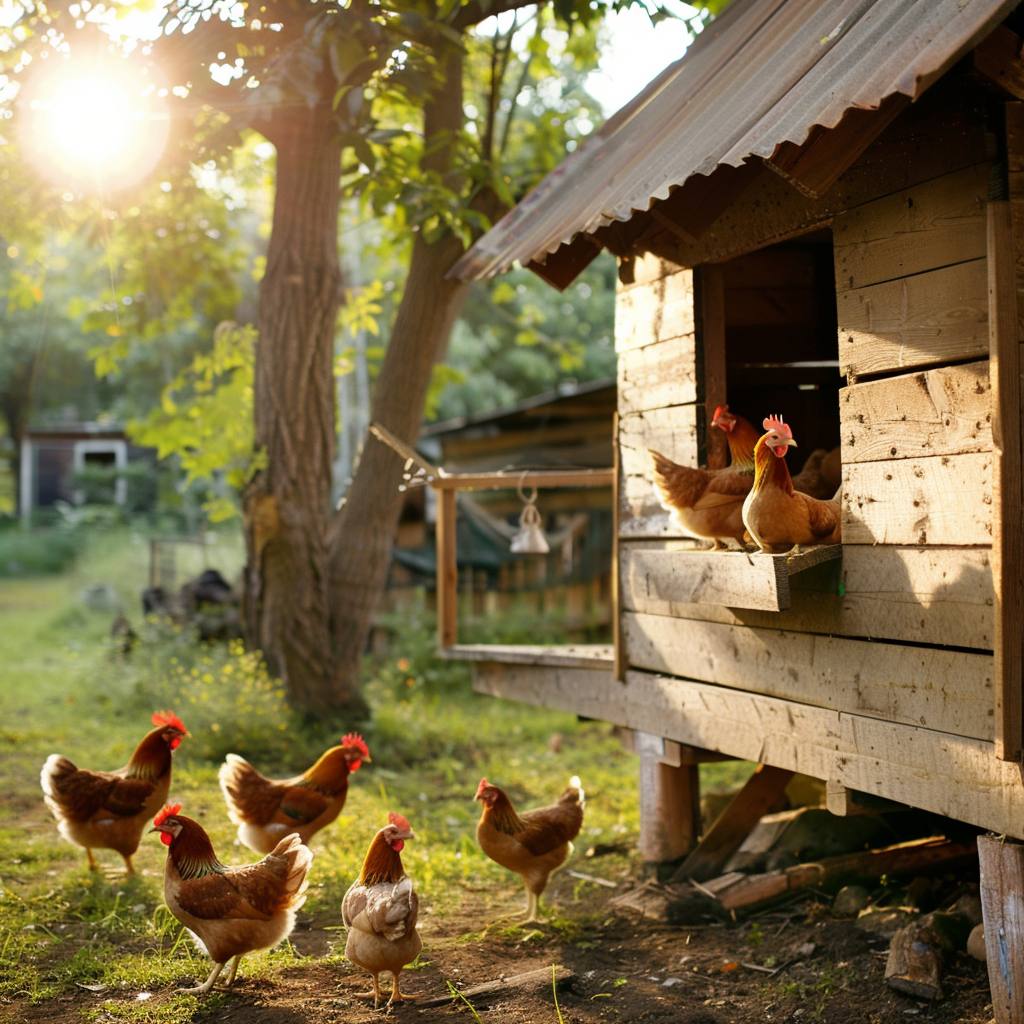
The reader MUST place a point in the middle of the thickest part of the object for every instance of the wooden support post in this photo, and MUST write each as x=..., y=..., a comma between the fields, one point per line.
x=621, y=663
x=848, y=803
x=710, y=328
x=726, y=835
x=447, y=572
x=1002, y=904
x=1007, y=539
x=669, y=801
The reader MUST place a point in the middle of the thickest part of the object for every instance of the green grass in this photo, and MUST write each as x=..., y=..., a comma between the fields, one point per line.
x=66, y=690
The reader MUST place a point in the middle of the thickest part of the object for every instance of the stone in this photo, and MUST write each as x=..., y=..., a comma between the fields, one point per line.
x=850, y=901
x=976, y=943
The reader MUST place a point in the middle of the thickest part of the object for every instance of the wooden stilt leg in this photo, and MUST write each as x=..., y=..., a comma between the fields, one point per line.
x=726, y=835
x=1002, y=903
x=669, y=801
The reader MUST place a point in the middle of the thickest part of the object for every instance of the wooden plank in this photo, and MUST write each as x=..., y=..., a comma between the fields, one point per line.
x=734, y=824
x=658, y=375
x=950, y=775
x=620, y=660
x=713, y=448
x=815, y=165
x=934, y=317
x=447, y=572
x=1002, y=882
x=998, y=60
x=736, y=579
x=931, y=225
x=848, y=803
x=945, y=690
x=599, y=656
x=528, y=478
x=945, y=411
x=673, y=432
x=926, y=595
x=655, y=311
x=669, y=803
x=940, y=500
x=1008, y=520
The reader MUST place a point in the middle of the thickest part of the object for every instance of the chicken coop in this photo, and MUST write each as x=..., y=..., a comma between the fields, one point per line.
x=818, y=211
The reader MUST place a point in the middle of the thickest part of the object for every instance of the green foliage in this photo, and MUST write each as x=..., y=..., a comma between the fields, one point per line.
x=206, y=418
x=24, y=553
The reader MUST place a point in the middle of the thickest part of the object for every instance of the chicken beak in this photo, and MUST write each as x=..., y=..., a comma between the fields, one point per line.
x=367, y=759
x=791, y=443
x=407, y=834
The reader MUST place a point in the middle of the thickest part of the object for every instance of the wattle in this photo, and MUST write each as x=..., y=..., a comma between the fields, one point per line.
x=398, y=845
x=166, y=838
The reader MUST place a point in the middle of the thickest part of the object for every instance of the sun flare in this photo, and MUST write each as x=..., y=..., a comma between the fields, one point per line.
x=93, y=125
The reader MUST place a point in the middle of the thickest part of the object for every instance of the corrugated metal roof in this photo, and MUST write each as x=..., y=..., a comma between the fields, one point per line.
x=764, y=73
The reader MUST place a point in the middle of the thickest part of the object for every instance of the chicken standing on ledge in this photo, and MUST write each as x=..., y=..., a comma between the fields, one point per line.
x=708, y=503
x=380, y=911
x=534, y=843
x=109, y=810
x=266, y=810
x=229, y=911
x=777, y=516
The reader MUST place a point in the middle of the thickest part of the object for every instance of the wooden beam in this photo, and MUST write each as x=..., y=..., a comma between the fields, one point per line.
x=710, y=316
x=946, y=690
x=997, y=60
x=726, y=835
x=844, y=802
x=1002, y=882
x=934, y=317
x=447, y=572
x=669, y=803
x=1007, y=539
x=566, y=263
x=527, y=478
x=946, y=411
x=596, y=656
x=938, y=500
x=921, y=594
x=815, y=165
x=411, y=456
x=621, y=658
x=931, y=225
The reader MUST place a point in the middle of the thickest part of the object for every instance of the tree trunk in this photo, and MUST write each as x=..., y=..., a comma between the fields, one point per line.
x=363, y=534
x=287, y=504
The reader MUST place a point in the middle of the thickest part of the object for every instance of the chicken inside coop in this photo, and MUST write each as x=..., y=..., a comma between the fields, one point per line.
x=781, y=352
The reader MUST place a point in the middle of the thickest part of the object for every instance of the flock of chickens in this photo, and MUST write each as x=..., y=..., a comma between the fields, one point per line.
x=754, y=499
x=231, y=911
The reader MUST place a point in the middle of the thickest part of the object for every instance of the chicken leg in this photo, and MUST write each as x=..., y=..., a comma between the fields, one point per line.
x=396, y=995
x=201, y=990
x=373, y=994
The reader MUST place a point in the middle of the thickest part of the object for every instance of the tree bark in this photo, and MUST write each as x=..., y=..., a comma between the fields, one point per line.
x=286, y=506
x=363, y=534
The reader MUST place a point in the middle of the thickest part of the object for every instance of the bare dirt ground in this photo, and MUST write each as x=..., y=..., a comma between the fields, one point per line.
x=625, y=969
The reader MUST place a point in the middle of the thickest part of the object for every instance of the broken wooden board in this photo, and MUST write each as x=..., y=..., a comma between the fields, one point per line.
x=734, y=824
x=917, y=953
x=735, y=579
x=671, y=904
x=489, y=991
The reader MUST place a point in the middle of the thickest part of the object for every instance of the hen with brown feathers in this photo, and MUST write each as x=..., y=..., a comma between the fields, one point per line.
x=708, y=503
x=230, y=911
x=109, y=810
x=776, y=515
x=266, y=810
x=532, y=844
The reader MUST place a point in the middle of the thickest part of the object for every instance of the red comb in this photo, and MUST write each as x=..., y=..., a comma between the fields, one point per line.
x=166, y=813
x=719, y=411
x=353, y=739
x=169, y=718
x=479, y=789
x=775, y=423
x=396, y=819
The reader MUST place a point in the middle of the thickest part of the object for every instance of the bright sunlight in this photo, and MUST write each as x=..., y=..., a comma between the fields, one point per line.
x=93, y=127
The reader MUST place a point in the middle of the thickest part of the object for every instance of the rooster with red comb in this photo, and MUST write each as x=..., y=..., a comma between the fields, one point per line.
x=266, y=810
x=776, y=515
x=380, y=911
x=109, y=810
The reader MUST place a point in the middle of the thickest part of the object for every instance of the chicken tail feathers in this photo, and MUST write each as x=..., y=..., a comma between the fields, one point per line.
x=55, y=771
x=241, y=783
x=289, y=862
x=574, y=793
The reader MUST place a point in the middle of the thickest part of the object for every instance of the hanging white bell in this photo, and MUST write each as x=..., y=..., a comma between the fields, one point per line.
x=530, y=539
